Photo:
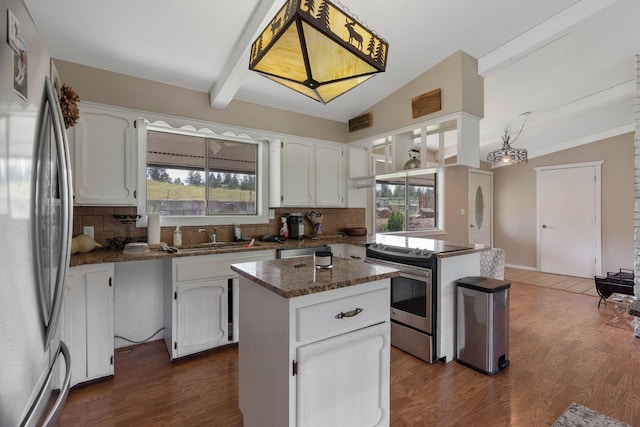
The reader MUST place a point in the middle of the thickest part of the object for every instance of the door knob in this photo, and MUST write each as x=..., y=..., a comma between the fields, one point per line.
x=544, y=226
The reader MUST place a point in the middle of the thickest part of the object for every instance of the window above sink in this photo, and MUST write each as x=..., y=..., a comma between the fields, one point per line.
x=199, y=177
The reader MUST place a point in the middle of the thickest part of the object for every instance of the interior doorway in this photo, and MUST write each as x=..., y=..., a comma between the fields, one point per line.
x=569, y=219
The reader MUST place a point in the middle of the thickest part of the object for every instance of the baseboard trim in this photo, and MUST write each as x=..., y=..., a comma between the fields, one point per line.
x=521, y=267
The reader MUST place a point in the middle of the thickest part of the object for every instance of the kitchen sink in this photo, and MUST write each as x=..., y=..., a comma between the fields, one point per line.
x=213, y=246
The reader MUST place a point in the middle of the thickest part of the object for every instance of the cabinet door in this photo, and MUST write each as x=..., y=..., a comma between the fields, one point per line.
x=100, y=311
x=88, y=321
x=298, y=173
x=74, y=331
x=104, y=157
x=330, y=175
x=202, y=309
x=344, y=381
x=358, y=167
x=338, y=250
x=355, y=252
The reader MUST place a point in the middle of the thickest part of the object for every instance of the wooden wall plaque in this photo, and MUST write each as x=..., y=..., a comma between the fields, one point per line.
x=360, y=122
x=426, y=103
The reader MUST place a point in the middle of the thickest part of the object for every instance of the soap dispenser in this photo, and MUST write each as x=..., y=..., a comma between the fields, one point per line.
x=177, y=237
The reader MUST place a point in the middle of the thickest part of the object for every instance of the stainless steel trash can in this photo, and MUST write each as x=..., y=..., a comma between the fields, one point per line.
x=483, y=324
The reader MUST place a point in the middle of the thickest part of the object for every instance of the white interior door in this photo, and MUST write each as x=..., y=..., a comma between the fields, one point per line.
x=481, y=207
x=569, y=219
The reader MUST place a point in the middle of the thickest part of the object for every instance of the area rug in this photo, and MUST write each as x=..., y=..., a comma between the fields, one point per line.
x=580, y=416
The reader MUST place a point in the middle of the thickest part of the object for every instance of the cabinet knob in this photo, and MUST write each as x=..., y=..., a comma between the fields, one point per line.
x=544, y=226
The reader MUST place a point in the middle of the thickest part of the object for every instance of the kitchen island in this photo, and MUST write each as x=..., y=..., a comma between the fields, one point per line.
x=315, y=343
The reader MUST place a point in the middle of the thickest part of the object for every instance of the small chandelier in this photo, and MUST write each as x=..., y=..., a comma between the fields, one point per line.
x=317, y=49
x=508, y=155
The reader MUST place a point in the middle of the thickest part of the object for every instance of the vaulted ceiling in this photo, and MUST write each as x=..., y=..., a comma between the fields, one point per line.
x=571, y=63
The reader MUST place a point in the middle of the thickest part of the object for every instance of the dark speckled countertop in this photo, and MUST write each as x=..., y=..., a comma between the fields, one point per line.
x=289, y=279
x=104, y=255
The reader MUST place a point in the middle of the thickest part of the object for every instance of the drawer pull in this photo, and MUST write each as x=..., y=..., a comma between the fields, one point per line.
x=355, y=257
x=351, y=313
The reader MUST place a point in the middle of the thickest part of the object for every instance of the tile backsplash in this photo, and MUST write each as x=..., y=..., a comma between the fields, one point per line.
x=106, y=226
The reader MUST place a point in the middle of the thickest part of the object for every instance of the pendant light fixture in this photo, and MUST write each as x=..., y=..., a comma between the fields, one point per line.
x=508, y=155
x=317, y=49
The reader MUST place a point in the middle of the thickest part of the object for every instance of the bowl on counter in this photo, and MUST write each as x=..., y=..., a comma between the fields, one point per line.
x=356, y=231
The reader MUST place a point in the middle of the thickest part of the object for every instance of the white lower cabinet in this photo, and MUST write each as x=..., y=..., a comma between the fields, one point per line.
x=349, y=251
x=202, y=315
x=88, y=321
x=316, y=360
x=341, y=380
x=201, y=300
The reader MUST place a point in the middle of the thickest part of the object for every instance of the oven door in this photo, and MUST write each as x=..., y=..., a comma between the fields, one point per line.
x=411, y=300
x=411, y=296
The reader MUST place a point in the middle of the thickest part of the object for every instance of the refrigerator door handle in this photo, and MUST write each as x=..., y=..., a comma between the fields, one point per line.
x=52, y=417
x=66, y=206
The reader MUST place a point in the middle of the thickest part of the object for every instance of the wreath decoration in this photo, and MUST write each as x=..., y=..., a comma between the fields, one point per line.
x=69, y=106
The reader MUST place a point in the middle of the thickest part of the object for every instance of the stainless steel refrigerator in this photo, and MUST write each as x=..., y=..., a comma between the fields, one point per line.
x=35, y=227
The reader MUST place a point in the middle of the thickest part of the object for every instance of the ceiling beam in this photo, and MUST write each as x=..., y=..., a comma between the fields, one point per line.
x=237, y=65
x=547, y=32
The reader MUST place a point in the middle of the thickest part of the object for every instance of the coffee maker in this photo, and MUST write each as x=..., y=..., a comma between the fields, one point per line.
x=296, y=227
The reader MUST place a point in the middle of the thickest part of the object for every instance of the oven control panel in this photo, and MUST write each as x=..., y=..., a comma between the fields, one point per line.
x=396, y=251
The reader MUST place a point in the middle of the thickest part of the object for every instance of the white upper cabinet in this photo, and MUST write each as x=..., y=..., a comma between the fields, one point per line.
x=359, y=156
x=298, y=173
x=103, y=153
x=307, y=173
x=330, y=175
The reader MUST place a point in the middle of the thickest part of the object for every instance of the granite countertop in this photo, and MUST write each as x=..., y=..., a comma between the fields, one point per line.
x=289, y=279
x=106, y=255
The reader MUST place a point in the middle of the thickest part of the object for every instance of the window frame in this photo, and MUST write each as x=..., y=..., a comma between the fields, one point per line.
x=262, y=176
x=438, y=211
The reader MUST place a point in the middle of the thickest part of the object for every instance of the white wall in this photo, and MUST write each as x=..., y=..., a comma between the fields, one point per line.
x=138, y=297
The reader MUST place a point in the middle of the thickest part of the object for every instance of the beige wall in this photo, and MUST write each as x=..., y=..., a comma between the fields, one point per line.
x=515, y=202
x=457, y=77
x=461, y=87
x=105, y=87
x=456, y=187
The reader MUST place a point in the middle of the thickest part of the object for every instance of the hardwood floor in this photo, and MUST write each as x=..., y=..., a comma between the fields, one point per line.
x=561, y=351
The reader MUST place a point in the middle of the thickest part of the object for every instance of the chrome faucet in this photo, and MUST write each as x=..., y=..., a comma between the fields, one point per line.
x=213, y=236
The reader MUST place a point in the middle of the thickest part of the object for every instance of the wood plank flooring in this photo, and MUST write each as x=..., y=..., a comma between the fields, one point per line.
x=561, y=351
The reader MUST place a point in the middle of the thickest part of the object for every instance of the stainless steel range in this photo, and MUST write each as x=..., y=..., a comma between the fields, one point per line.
x=414, y=291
